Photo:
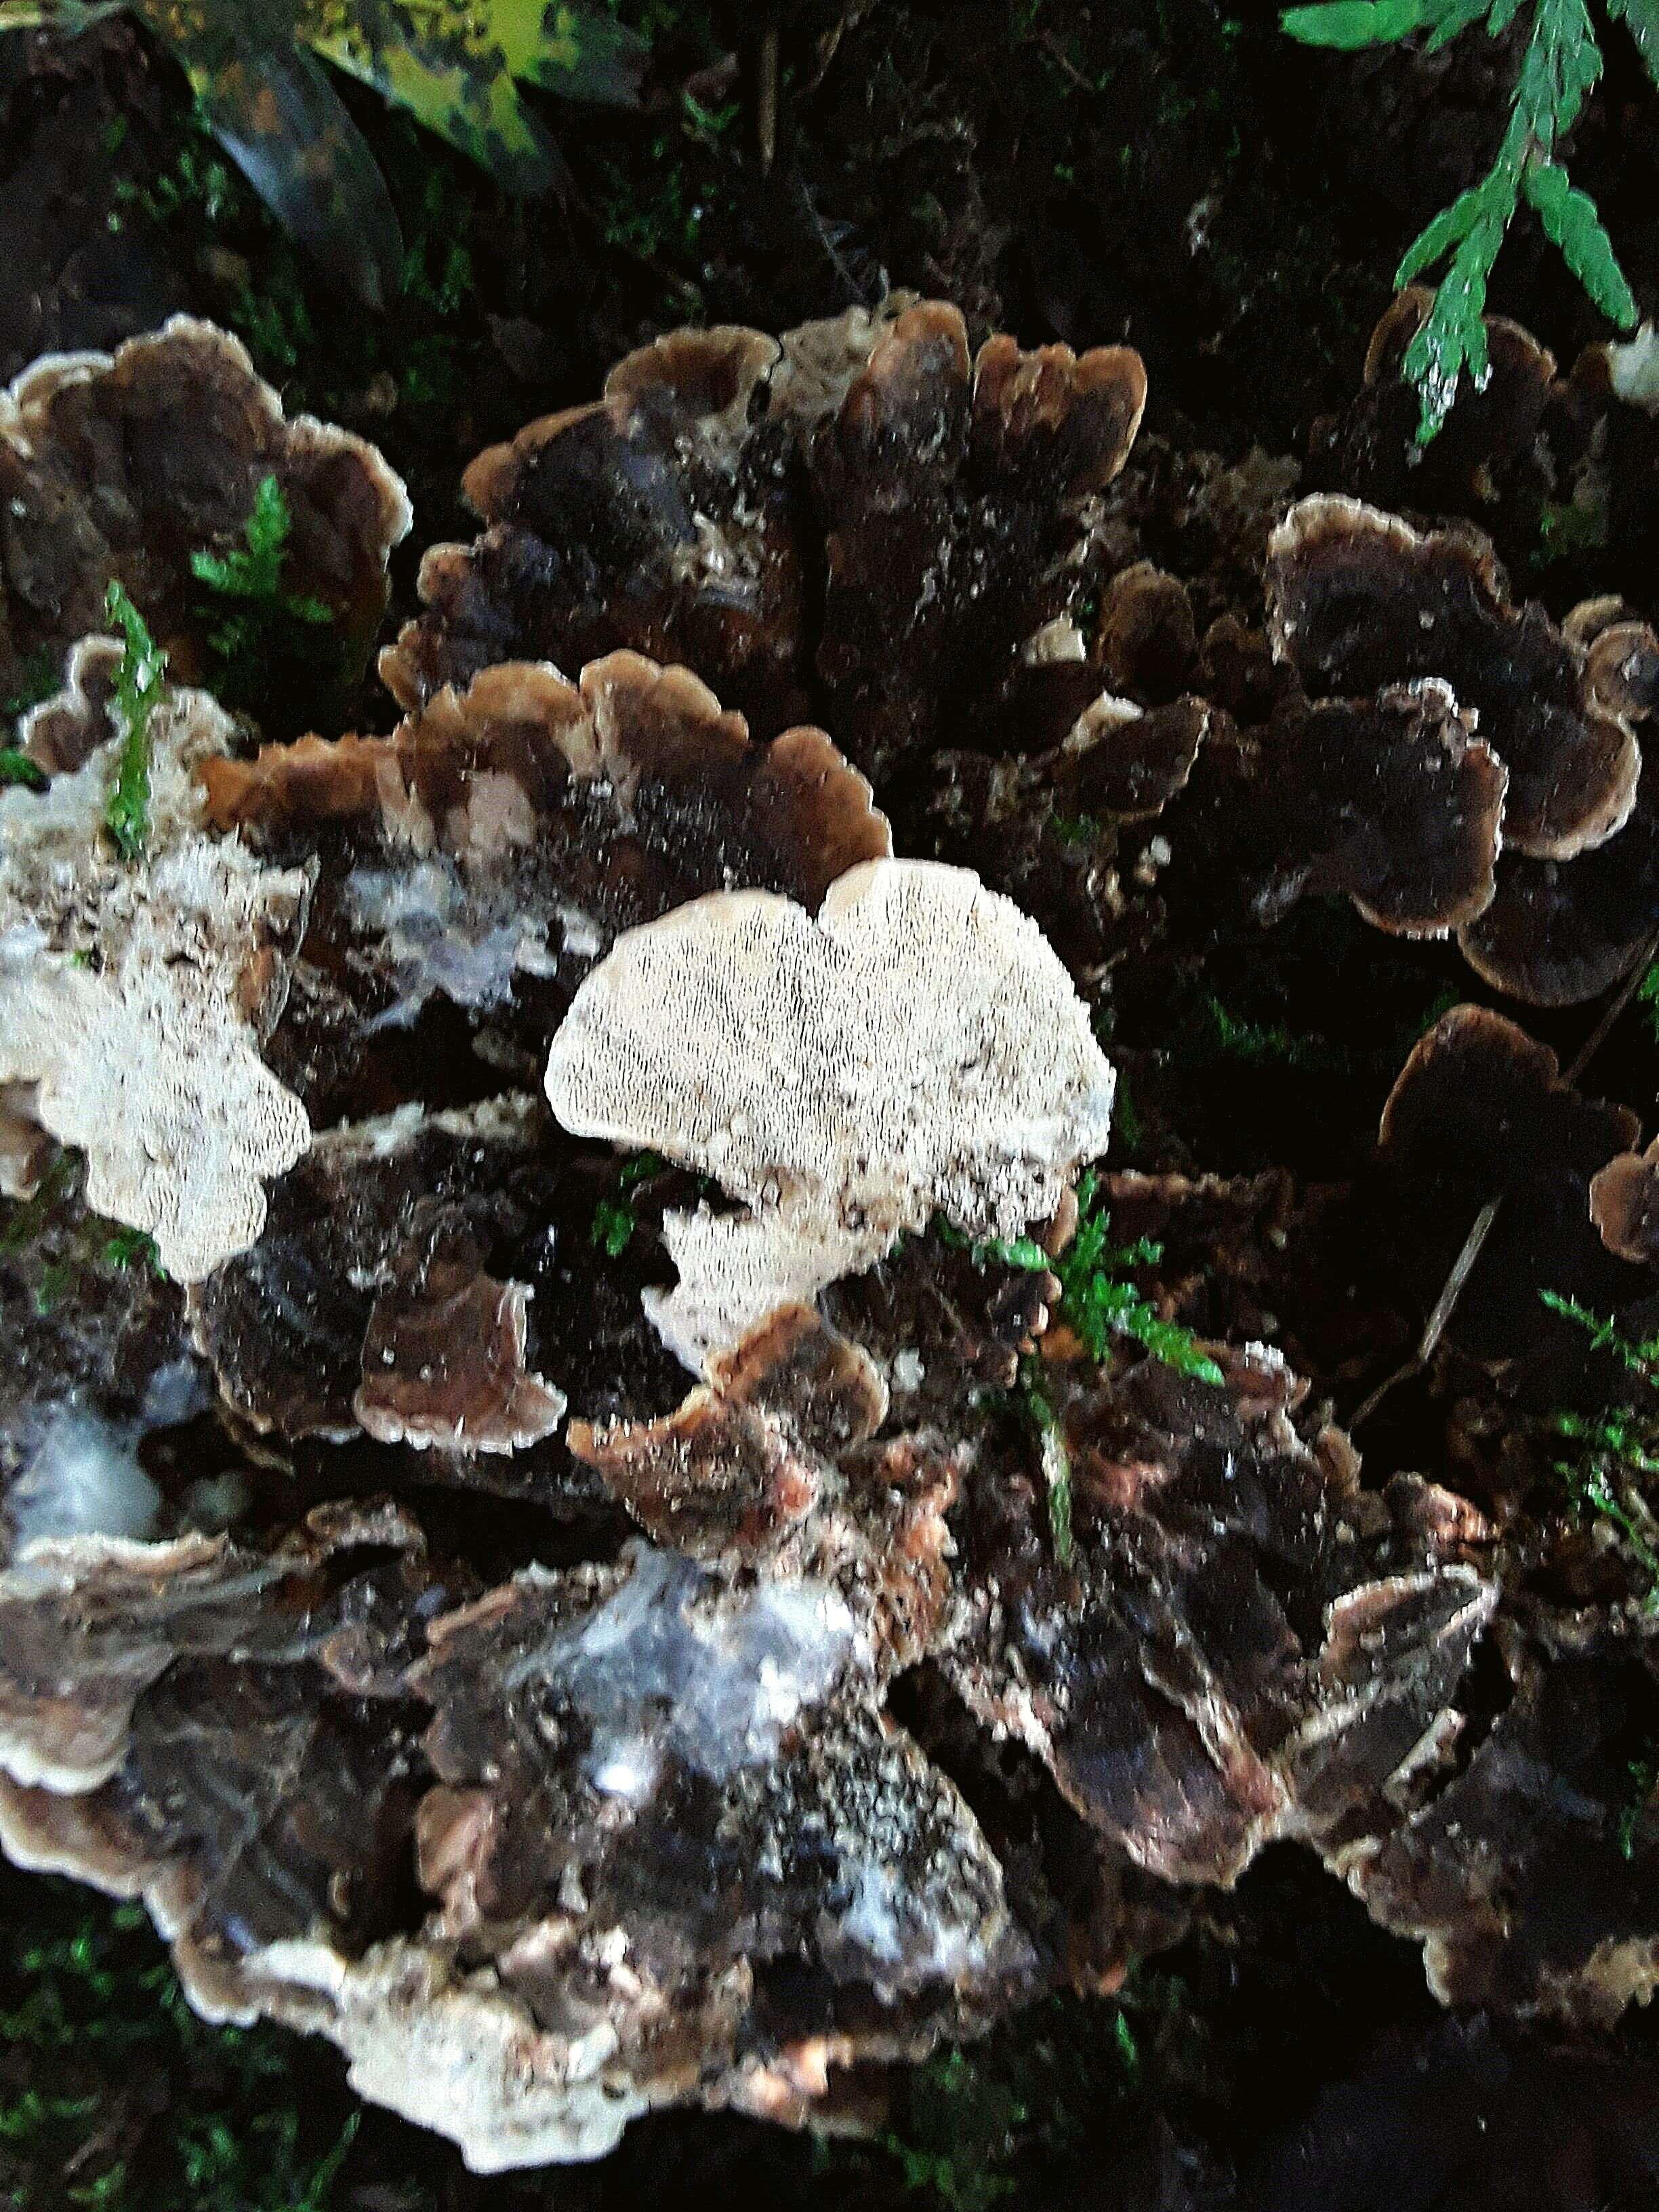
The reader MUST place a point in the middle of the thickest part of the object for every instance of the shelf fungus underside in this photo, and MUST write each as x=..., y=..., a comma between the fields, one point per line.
x=566, y=1524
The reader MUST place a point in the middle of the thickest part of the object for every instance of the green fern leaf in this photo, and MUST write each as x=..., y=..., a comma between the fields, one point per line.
x=1349, y=25
x=1457, y=19
x=1449, y=229
x=1570, y=221
x=1453, y=338
x=140, y=682
x=1641, y=19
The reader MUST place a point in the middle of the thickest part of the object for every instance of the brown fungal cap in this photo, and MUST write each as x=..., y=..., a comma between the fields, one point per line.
x=775, y=1461
x=298, y=1327
x=1188, y=1710
x=648, y=520
x=1625, y=1206
x=493, y=846
x=1372, y=448
x=124, y=465
x=1480, y=1111
x=1123, y=761
x=934, y=468
x=1394, y=801
x=916, y=1047
x=443, y=1355
x=1557, y=934
x=134, y=998
x=1477, y=1090
x=1515, y=1877
x=1358, y=601
x=739, y=1462
x=481, y=770
x=683, y=514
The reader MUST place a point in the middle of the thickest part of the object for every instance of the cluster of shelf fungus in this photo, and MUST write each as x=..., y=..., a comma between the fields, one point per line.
x=547, y=1580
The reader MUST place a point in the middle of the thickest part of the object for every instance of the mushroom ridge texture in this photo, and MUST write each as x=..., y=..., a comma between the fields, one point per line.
x=949, y=495
x=125, y=464
x=917, y=1047
x=133, y=997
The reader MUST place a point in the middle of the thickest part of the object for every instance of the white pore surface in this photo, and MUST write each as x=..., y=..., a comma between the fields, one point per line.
x=120, y=995
x=918, y=1048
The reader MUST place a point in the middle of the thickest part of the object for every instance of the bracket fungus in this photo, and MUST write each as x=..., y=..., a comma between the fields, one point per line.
x=134, y=998
x=1480, y=1111
x=601, y=1743
x=914, y=1048
x=1393, y=800
x=492, y=846
x=124, y=465
x=1357, y=599
x=686, y=512
x=367, y=1298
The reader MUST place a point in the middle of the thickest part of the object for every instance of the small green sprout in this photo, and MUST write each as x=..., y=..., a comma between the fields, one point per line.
x=140, y=682
x=614, y=1219
x=613, y=1227
x=1092, y=1297
x=1642, y=1774
x=250, y=576
x=132, y=1248
x=1648, y=997
x=16, y=767
x=1264, y=1043
x=55, y=1281
x=1099, y=1306
x=254, y=570
x=1614, y=1446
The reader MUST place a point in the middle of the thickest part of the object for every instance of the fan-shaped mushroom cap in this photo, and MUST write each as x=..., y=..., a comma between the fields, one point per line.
x=1373, y=448
x=915, y=1048
x=1558, y=933
x=1393, y=800
x=133, y=997
x=1479, y=1111
x=652, y=518
x=1184, y=1710
x=332, y=1318
x=1515, y=1877
x=444, y=1353
x=524, y=758
x=1358, y=600
x=490, y=848
x=1625, y=1204
x=685, y=513
x=774, y=1461
x=124, y=465
x=1478, y=1091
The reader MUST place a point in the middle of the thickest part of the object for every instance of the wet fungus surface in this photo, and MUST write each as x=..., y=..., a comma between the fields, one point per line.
x=620, y=1487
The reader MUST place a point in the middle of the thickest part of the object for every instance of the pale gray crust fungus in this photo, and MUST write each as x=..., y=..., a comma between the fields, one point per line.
x=134, y=997
x=917, y=1049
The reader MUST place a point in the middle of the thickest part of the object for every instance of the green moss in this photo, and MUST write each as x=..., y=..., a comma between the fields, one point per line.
x=144, y=2107
x=17, y=767
x=614, y=1219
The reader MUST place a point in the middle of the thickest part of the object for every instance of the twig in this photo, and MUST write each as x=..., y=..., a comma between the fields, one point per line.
x=766, y=121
